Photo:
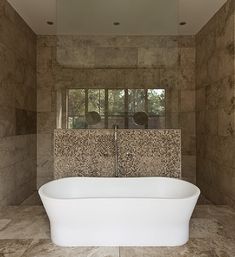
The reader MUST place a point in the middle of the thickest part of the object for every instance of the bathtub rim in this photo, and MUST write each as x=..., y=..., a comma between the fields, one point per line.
x=42, y=194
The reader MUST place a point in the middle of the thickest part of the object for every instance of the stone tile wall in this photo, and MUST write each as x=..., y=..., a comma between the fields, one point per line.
x=111, y=62
x=17, y=107
x=215, y=107
x=142, y=153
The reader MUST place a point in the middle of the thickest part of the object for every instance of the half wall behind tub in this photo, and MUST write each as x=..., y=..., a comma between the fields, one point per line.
x=141, y=153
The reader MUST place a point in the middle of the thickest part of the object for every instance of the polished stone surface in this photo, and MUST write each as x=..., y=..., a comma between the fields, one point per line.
x=215, y=108
x=143, y=153
x=17, y=107
x=33, y=200
x=24, y=232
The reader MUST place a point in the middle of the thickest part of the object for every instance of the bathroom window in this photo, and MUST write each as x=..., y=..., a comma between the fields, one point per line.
x=104, y=108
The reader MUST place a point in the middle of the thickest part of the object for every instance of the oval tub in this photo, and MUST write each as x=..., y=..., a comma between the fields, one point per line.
x=149, y=211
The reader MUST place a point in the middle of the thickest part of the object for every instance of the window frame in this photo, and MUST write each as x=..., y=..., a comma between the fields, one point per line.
x=106, y=110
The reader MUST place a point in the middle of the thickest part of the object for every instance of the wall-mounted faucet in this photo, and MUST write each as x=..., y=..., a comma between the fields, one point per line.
x=116, y=150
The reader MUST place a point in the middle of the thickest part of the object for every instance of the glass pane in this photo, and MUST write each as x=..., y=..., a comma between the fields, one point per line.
x=100, y=125
x=116, y=102
x=96, y=101
x=136, y=100
x=135, y=110
x=132, y=124
x=116, y=120
x=76, y=102
x=156, y=122
x=156, y=102
x=77, y=122
x=76, y=108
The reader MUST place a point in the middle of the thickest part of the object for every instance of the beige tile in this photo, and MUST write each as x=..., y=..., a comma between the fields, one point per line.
x=200, y=99
x=211, y=122
x=172, y=100
x=4, y=223
x=14, y=248
x=46, y=122
x=157, y=57
x=17, y=90
x=32, y=200
x=44, y=100
x=45, y=248
x=186, y=78
x=7, y=182
x=188, y=144
x=187, y=101
x=41, y=180
x=195, y=247
x=45, y=159
x=116, y=57
x=226, y=123
x=189, y=166
x=76, y=57
x=27, y=222
x=187, y=57
x=187, y=123
x=169, y=78
x=204, y=228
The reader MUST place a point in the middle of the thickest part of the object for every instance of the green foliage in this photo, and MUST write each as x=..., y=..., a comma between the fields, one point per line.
x=155, y=105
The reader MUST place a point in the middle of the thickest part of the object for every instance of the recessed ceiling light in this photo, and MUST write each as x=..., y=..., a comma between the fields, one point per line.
x=116, y=23
x=50, y=22
x=183, y=23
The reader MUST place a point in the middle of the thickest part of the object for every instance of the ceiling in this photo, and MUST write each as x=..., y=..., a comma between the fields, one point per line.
x=136, y=17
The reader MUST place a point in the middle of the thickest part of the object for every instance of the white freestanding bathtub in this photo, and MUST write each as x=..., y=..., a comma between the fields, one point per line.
x=150, y=211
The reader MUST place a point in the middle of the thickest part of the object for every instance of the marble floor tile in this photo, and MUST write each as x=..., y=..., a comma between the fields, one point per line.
x=44, y=248
x=203, y=200
x=13, y=248
x=4, y=223
x=223, y=215
x=194, y=248
x=27, y=222
x=204, y=228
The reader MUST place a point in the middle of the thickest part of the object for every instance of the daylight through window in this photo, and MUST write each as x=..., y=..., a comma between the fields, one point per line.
x=104, y=108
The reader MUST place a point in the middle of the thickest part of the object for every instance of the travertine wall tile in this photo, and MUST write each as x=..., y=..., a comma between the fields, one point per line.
x=187, y=100
x=215, y=96
x=17, y=107
x=187, y=123
x=18, y=166
x=116, y=57
x=76, y=57
x=189, y=168
x=158, y=57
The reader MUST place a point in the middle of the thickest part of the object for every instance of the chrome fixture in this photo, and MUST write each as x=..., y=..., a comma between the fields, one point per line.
x=116, y=150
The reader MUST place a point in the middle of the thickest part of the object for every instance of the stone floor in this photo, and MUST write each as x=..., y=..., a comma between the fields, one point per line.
x=24, y=232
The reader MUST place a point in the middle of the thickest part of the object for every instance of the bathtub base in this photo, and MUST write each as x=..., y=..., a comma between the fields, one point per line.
x=73, y=237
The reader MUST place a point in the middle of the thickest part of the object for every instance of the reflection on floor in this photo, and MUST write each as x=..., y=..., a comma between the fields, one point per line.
x=24, y=232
